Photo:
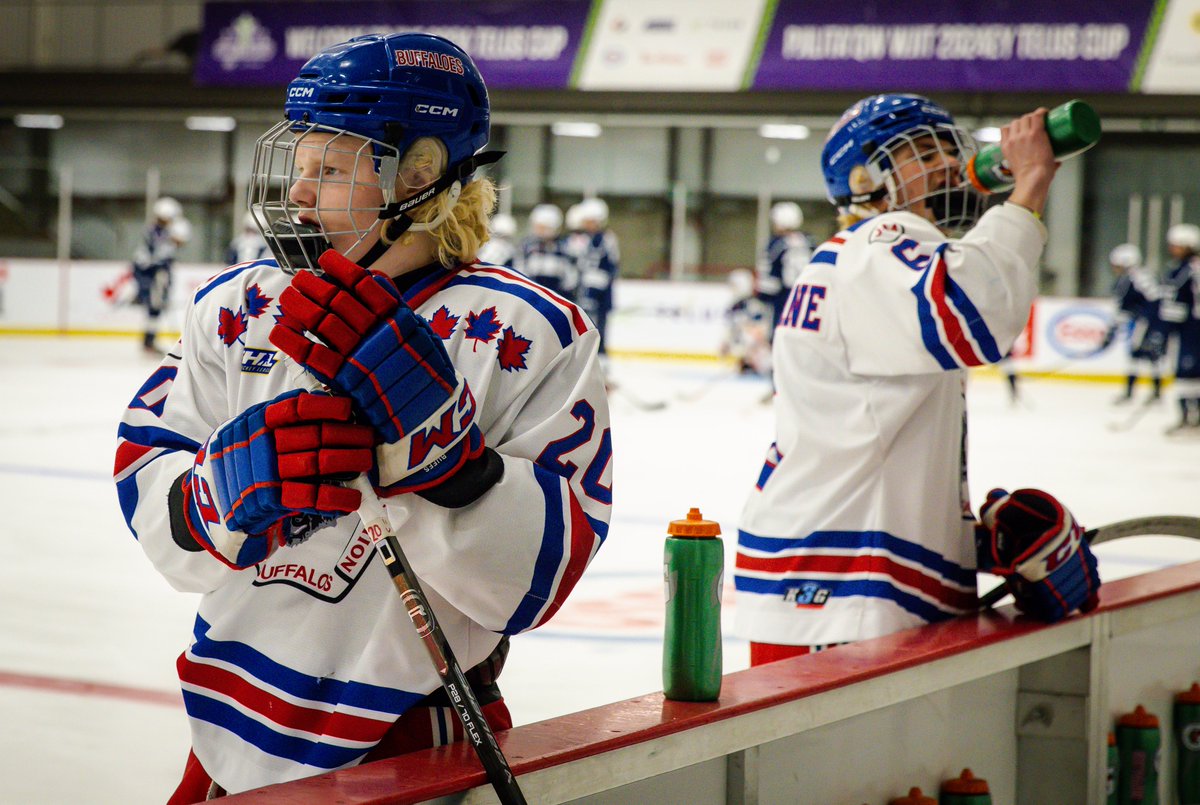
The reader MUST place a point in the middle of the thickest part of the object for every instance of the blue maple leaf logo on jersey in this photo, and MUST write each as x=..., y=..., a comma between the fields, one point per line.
x=232, y=326
x=482, y=326
x=256, y=302
x=511, y=349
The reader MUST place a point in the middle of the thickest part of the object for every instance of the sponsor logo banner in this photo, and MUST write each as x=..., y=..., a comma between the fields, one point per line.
x=1072, y=45
x=260, y=42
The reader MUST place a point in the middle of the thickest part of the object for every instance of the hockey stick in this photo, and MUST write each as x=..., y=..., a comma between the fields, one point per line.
x=1167, y=525
x=1133, y=417
x=376, y=525
x=458, y=689
x=634, y=400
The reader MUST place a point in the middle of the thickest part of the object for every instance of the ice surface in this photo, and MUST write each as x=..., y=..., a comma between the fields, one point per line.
x=89, y=632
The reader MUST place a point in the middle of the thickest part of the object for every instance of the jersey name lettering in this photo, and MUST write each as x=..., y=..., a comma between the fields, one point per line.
x=803, y=307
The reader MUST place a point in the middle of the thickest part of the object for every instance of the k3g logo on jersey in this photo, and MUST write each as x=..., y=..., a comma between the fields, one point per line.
x=808, y=595
x=258, y=361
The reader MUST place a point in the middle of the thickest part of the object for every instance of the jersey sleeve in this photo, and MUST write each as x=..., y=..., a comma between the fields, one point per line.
x=913, y=302
x=509, y=560
x=163, y=427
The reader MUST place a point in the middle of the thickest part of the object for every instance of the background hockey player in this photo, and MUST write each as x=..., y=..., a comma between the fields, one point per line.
x=1180, y=308
x=860, y=524
x=542, y=256
x=153, y=261
x=247, y=245
x=1136, y=291
x=472, y=396
x=500, y=250
x=786, y=253
x=600, y=265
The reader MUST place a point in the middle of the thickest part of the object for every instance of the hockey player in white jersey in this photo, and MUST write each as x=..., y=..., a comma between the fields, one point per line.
x=860, y=523
x=472, y=396
x=153, y=261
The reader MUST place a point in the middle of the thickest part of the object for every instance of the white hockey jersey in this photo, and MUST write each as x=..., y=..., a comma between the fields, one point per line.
x=300, y=664
x=860, y=523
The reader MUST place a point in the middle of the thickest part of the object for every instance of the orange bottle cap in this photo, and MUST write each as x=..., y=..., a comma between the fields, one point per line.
x=965, y=783
x=1189, y=696
x=694, y=526
x=1139, y=718
x=915, y=797
x=1112, y=739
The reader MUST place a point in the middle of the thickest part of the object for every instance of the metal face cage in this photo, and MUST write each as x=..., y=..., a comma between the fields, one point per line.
x=933, y=157
x=314, y=187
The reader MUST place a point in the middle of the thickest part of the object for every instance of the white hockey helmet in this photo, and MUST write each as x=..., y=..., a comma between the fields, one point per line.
x=1127, y=255
x=574, y=221
x=503, y=224
x=1184, y=235
x=593, y=209
x=546, y=217
x=787, y=215
x=167, y=209
x=180, y=231
x=741, y=282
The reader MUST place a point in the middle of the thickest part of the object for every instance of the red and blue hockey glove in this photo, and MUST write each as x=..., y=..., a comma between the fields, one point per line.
x=1030, y=539
x=367, y=343
x=268, y=477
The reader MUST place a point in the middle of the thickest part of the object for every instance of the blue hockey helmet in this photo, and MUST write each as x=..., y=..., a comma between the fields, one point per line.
x=395, y=89
x=859, y=156
x=413, y=104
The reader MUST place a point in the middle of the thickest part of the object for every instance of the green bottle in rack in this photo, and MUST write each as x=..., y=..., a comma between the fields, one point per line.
x=1186, y=726
x=1138, y=744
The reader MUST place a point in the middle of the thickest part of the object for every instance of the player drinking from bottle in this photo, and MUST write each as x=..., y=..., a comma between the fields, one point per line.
x=472, y=397
x=860, y=524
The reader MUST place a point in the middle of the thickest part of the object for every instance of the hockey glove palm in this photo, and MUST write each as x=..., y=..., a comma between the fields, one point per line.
x=371, y=346
x=1030, y=539
x=268, y=476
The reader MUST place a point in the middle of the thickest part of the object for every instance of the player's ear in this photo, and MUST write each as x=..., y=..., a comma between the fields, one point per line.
x=422, y=164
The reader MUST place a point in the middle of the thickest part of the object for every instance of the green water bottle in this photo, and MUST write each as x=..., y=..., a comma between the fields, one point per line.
x=693, y=569
x=1186, y=725
x=965, y=789
x=1114, y=762
x=1138, y=743
x=1073, y=128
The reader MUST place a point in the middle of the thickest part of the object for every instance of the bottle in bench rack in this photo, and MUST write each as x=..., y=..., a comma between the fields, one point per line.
x=693, y=570
x=1186, y=726
x=1138, y=744
x=965, y=789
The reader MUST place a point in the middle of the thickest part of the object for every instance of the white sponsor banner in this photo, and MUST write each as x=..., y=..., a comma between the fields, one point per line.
x=675, y=318
x=663, y=46
x=1174, y=63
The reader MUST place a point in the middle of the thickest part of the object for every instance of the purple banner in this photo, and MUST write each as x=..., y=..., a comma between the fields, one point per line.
x=967, y=45
x=514, y=44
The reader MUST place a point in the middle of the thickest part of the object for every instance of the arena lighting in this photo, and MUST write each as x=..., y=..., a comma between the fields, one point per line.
x=210, y=123
x=576, y=128
x=783, y=131
x=39, y=121
x=987, y=134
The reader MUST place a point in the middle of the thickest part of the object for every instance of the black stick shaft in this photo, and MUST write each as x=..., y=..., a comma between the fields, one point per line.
x=454, y=681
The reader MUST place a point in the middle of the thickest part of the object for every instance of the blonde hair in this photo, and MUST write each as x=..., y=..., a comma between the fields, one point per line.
x=464, y=225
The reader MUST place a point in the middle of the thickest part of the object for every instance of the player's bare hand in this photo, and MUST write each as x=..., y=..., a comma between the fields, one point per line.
x=1026, y=148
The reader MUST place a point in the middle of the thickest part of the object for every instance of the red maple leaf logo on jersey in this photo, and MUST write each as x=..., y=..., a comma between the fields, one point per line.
x=256, y=301
x=232, y=326
x=511, y=349
x=443, y=323
x=482, y=326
